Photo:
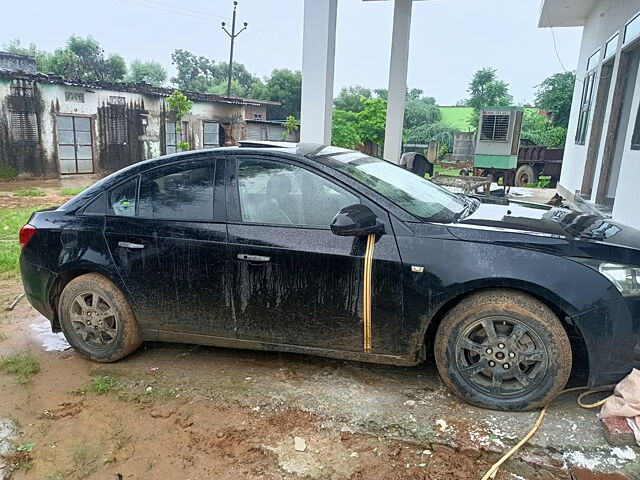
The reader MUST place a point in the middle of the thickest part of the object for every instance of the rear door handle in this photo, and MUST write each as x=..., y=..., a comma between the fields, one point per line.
x=254, y=258
x=133, y=246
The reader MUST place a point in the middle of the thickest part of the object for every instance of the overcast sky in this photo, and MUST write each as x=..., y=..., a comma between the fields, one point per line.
x=450, y=39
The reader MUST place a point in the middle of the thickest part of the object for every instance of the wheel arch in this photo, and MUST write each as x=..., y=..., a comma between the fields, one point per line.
x=562, y=310
x=63, y=279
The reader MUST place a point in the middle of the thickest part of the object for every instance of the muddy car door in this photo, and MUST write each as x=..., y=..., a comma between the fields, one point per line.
x=294, y=282
x=169, y=247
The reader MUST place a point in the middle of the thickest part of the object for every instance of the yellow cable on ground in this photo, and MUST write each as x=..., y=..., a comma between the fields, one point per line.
x=491, y=473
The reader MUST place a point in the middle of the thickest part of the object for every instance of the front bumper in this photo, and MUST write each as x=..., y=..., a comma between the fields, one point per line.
x=37, y=282
x=612, y=335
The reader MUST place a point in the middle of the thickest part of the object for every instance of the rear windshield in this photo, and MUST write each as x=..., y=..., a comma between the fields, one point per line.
x=414, y=194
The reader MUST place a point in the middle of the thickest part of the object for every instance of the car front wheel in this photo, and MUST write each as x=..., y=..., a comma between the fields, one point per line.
x=504, y=350
x=97, y=320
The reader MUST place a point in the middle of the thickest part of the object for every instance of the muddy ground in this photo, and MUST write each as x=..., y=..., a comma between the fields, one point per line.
x=187, y=412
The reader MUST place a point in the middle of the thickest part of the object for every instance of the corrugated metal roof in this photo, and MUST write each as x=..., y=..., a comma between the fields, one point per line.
x=141, y=88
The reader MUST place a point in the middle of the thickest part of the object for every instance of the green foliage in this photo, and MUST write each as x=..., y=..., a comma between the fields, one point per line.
x=149, y=72
x=11, y=221
x=291, y=125
x=537, y=129
x=26, y=446
x=7, y=171
x=15, y=47
x=71, y=191
x=202, y=74
x=179, y=102
x=485, y=90
x=103, y=384
x=555, y=94
x=543, y=182
x=344, y=129
x=419, y=111
x=284, y=86
x=28, y=193
x=349, y=98
x=21, y=364
x=83, y=59
x=428, y=132
x=372, y=120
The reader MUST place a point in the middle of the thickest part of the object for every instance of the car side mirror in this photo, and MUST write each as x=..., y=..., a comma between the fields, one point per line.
x=355, y=221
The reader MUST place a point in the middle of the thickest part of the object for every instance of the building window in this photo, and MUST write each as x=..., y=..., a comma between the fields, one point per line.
x=21, y=90
x=174, y=136
x=117, y=133
x=74, y=97
x=116, y=100
x=632, y=29
x=635, y=138
x=211, y=134
x=495, y=126
x=24, y=127
x=257, y=117
x=611, y=46
x=585, y=108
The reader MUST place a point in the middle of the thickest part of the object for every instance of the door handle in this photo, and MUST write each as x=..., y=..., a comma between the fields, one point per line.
x=253, y=258
x=133, y=246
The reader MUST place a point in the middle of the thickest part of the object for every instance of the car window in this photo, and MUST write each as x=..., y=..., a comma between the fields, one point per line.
x=122, y=199
x=284, y=194
x=182, y=191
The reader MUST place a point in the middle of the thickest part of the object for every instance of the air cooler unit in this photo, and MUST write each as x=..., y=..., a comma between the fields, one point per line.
x=498, y=138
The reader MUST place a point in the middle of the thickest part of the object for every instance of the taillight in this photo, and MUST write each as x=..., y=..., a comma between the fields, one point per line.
x=26, y=233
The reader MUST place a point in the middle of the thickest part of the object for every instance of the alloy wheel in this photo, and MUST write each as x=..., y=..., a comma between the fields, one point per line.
x=501, y=357
x=94, y=320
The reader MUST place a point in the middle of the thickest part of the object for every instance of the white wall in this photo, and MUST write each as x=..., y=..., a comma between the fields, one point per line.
x=606, y=18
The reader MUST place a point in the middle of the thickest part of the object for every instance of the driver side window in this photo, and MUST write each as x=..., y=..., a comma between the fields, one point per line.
x=282, y=194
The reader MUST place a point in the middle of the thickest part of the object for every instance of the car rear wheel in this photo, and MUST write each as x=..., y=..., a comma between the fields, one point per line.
x=504, y=350
x=97, y=320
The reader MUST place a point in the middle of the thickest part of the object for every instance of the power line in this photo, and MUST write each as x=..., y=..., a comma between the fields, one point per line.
x=553, y=34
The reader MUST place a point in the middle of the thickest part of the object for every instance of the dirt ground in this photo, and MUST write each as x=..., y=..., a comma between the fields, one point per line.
x=188, y=412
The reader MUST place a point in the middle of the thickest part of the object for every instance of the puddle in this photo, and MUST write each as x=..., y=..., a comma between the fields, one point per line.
x=52, y=342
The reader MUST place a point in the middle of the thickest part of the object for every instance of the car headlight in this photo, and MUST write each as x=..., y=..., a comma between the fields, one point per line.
x=626, y=278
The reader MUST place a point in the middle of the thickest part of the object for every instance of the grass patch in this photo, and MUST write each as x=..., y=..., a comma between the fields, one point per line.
x=440, y=170
x=103, y=384
x=21, y=364
x=28, y=192
x=11, y=221
x=3, y=336
x=84, y=459
x=119, y=435
x=543, y=182
x=72, y=191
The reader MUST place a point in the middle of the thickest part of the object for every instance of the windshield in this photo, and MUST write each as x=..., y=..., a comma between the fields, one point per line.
x=416, y=195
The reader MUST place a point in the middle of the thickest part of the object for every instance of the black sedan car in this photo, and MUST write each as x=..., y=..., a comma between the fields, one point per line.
x=327, y=251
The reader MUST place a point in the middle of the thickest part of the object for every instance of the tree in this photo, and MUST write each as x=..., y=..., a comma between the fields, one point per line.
x=344, y=129
x=537, y=129
x=555, y=94
x=349, y=98
x=83, y=59
x=150, y=72
x=419, y=111
x=284, y=86
x=428, y=132
x=15, y=47
x=372, y=120
x=485, y=90
x=202, y=74
x=179, y=102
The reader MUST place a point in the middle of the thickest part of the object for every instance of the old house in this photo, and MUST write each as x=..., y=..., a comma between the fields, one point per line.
x=601, y=167
x=51, y=126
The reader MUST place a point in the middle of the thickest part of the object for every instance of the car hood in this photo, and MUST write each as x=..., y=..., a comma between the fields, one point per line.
x=555, y=221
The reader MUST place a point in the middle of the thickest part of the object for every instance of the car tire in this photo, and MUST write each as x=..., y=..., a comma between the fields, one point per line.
x=522, y=365
x=97, y=320
x=526, y=175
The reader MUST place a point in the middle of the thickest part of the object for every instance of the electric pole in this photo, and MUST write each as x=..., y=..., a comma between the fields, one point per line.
x=233, y=36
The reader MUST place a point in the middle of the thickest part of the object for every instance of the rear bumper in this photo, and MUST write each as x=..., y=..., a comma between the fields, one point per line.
x=612, y=335
x=37, y=282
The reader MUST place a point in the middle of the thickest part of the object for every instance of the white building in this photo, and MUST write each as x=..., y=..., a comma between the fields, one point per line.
x=601, y=167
